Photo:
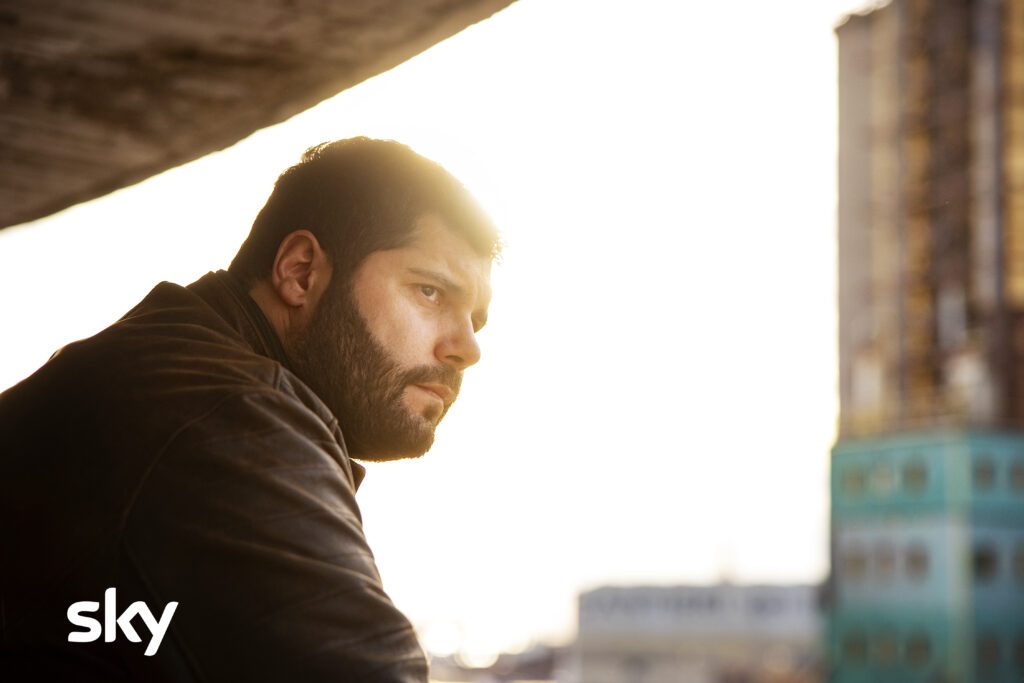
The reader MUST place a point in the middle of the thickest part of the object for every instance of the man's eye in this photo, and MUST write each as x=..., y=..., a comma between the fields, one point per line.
x=430, y=291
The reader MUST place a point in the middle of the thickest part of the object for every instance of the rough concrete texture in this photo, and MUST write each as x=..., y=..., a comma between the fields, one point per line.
x=99, y=94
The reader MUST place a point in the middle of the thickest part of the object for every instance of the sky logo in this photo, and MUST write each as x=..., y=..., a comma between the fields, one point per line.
x=111, y=621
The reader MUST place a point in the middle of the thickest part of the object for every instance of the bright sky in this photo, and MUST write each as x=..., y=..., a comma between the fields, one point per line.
x=657, y=396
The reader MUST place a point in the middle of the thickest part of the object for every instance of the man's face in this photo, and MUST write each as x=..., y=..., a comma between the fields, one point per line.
x=387, y=350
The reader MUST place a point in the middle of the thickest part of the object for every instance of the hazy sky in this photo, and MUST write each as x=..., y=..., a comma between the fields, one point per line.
x=657, y=395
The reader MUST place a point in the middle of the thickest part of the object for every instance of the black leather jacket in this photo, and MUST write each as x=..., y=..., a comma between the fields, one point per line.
x=175, y=458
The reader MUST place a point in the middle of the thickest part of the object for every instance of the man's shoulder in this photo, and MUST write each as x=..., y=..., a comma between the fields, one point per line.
x=167, y=361
x=172, y=339
x=175, y=328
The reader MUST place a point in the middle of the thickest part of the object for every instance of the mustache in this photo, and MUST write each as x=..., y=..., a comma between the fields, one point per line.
x=439, y=374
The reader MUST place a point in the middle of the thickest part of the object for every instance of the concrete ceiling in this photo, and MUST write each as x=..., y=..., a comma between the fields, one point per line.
x=99, y=94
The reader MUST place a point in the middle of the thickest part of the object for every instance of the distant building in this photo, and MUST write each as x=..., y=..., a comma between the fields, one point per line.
x=928, y=472
x=699, y=634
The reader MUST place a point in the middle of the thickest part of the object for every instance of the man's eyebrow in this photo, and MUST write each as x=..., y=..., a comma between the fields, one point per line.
x=446, y=282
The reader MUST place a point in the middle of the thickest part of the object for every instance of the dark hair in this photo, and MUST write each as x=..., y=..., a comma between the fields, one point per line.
x=359, y=196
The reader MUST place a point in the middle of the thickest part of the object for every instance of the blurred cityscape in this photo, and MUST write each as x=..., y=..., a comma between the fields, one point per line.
x=655, y=634
x=927, y=482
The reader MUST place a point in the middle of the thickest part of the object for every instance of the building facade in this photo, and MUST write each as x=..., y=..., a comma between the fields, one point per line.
x=928, y=471
x=699, y=634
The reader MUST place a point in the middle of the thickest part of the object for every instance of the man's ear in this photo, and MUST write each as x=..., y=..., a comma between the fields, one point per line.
x=301, y=270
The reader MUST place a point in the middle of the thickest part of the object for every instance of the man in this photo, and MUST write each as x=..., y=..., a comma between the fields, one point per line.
x=177, y=491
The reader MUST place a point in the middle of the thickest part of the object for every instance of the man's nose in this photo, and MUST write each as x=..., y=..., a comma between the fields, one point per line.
x=458, y=347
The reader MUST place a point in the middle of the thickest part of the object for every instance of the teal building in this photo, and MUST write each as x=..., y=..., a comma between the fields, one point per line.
x=928, y=558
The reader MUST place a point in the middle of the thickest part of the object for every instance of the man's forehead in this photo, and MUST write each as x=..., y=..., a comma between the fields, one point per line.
x=432, y=230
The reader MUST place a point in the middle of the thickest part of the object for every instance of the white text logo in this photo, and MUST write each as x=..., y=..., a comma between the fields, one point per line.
x=111, y=622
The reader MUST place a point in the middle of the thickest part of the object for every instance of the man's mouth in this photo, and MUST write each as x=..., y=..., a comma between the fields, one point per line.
x=442, y=392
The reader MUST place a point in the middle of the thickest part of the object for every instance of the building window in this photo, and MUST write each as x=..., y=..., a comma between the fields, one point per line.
x=915, y=476
x=984, y=474
x=853, y=481
x=886, y=648
x=766, y=605
x=1017, y=476
x=917, y=562
x=885, y=561
x=1018, y=563
x=919, y=649
x=882, y=479
x=854, y=564
x=986, y=563
x=855, y=648
x=987, y=652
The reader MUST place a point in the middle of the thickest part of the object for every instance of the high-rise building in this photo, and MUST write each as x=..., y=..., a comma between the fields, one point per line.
x=928, y=471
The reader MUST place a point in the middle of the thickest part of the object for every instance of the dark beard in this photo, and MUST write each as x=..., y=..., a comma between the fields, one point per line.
x=339, y=358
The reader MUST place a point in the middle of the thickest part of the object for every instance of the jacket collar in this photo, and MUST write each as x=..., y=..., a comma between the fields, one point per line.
x=225, y=294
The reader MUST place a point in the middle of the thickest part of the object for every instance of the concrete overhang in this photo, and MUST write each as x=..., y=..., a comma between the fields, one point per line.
x=96, y=95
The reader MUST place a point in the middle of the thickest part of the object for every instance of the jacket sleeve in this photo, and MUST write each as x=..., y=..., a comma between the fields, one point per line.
x=249, y=522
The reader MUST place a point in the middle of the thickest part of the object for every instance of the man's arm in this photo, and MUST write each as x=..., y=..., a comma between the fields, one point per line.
x=249, y=522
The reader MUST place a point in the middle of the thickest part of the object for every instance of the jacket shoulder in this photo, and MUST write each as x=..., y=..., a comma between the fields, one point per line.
x=250, y=522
